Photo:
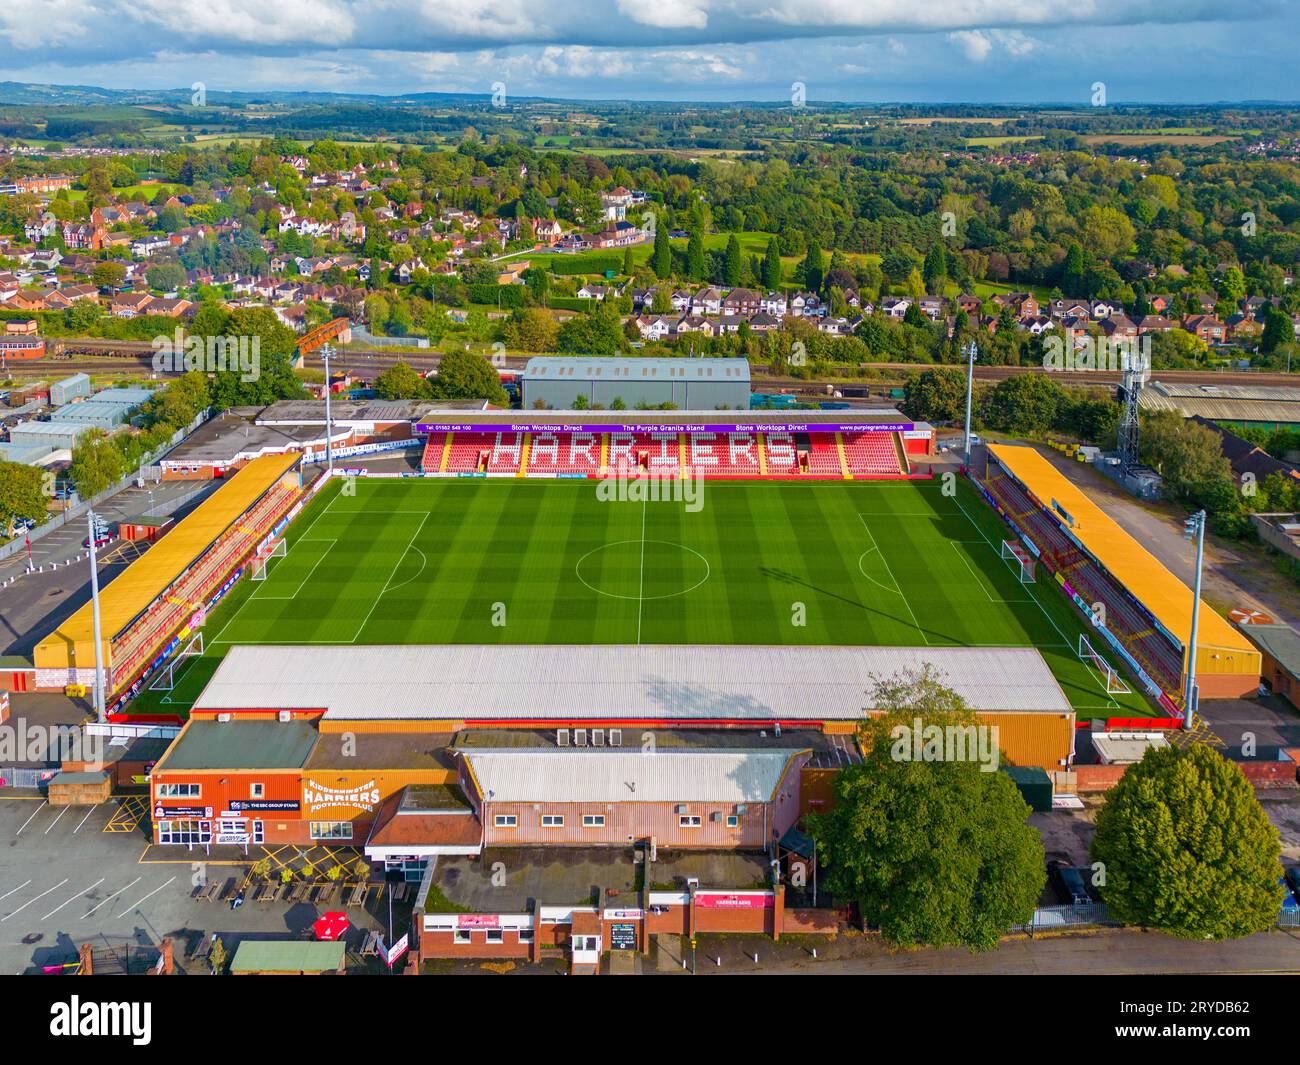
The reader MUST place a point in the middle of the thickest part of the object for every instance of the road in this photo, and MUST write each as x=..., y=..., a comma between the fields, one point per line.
x=37, y=602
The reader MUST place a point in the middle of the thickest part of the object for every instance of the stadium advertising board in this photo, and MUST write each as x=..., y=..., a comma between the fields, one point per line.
x=662, y=427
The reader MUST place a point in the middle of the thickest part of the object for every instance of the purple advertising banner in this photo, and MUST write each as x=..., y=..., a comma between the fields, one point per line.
x=662, y=427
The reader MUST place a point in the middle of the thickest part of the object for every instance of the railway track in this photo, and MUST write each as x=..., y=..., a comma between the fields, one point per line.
x=125, y=357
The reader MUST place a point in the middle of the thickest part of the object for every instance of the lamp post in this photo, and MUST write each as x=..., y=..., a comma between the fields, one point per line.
x=971, y=350
x=94, y=600
x=1193, y=527
x=325, y=352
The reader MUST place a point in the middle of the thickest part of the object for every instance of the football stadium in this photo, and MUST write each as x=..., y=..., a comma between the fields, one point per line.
x=619, y=528
x=428, y=658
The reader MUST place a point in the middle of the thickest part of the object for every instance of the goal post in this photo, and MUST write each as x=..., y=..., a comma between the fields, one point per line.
x=166, y=679
x=1090, y=656
x=263, y=558
x=1020, y=560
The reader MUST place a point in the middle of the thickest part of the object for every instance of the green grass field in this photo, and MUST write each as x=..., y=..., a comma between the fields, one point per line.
x=547, y=561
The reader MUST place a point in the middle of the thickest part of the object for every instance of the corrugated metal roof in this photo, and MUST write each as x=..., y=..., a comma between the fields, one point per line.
x=1236, y=403
x=560, y=682
x=628, y=776
x=1168, y=598
x=149, y=575
x=556, y=367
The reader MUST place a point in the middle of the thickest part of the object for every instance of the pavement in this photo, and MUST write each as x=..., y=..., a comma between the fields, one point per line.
x=77, y=874
x=37, y=603
x=1235, y=574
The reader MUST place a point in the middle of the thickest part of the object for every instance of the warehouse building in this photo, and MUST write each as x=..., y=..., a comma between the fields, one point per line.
x=1267, y=406
x=70, y=388
x=557, y=382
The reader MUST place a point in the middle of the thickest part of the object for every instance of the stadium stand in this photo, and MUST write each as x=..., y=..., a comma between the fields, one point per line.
x=1147, y=609
x=1129, y=620
x=564, y=453
x=653, y=452
x=736, y=451
x=823, y=454
x=723, y=454
x=469, y=452
x=167, y=591
x=874, y=455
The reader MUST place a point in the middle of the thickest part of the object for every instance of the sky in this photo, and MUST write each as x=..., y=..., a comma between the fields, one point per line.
x=978, y=51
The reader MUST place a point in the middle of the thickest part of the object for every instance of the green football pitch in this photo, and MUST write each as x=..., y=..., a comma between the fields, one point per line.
x=548, y=561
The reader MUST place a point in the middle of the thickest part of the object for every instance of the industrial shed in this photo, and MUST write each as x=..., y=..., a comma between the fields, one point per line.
x=556, y=382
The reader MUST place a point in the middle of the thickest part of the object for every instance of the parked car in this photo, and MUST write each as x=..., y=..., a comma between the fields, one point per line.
x=101, y=540
x=1068, y=883
x=1289, y=903
x=1292, y=878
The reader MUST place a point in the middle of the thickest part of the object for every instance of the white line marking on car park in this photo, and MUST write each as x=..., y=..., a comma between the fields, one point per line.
x=149, y=896
x=30, y=901
x=56, y=820
x=29, y=820
x=85, y=819
x=18, y=888
x=107, y=897
x=73, y=899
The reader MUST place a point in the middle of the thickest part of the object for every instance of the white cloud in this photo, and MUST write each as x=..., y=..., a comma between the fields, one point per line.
x=975, y=43
x=667, y=14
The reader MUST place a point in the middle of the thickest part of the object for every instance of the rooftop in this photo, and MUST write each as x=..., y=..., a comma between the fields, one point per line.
x=604, y=775
x=546, y=683
x=565, y=368
x=1167, y=598
x=240, y=745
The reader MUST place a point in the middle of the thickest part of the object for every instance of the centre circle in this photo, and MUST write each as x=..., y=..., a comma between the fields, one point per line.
x=641, y=570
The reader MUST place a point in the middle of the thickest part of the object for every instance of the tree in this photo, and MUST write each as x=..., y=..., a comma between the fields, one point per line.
x=813, y=268
x=936, y=395
x=464, y=375
x=22, y=494
x=1278, y=330
x=662, y=259
x=96, y=464
x=935, y=270
x=531, y=329
x=1073, y=272
x=1187, y=455
x=1023, y=404
x=695, y=256
x=935, y=849
x=1185, y=847
x=599, y=333
x=732, y=269
x=401, y=381
x=108, y=275
x=772, y=265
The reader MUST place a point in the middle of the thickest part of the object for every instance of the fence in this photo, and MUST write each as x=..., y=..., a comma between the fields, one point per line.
x=1049, y=918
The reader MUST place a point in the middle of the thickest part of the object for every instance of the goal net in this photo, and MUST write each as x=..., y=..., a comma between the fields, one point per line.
x=166, y=679
x=263, y=559
x=1020, y=561
x=1089, y=656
